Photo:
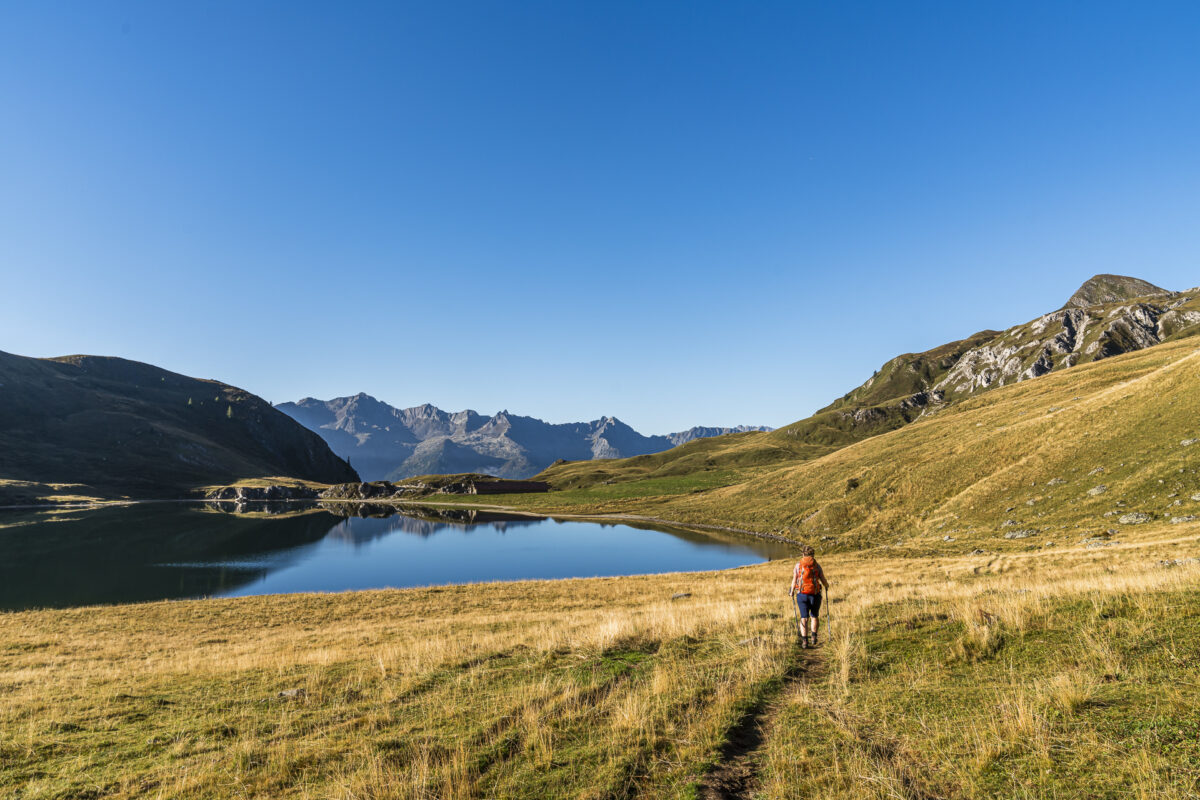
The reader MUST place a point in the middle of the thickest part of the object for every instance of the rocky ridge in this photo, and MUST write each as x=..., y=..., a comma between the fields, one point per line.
x=1107, y=316
x=388, y=443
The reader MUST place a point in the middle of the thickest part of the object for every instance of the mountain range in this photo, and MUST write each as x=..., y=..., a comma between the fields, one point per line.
x=388, y=443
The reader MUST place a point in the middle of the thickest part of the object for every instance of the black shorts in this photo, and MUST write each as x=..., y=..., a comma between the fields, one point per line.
x=810, y=604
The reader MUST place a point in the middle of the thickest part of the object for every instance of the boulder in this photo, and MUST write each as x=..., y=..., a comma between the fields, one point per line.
x=1133, y=518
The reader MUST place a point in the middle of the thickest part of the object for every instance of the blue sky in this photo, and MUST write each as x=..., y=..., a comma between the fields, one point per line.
x=678, y=214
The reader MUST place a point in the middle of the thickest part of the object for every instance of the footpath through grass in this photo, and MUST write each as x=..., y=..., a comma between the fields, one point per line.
x=1068, y=673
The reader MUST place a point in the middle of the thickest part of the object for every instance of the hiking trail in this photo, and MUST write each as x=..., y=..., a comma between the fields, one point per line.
x=735, y=776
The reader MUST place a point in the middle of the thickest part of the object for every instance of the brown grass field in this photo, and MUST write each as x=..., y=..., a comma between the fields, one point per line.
x=1063, y=673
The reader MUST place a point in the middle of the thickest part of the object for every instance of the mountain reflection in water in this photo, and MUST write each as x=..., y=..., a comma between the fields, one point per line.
x=170, y=550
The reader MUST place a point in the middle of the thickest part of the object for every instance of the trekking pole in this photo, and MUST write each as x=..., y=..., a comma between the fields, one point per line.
x=828, y=614
x=795, y=613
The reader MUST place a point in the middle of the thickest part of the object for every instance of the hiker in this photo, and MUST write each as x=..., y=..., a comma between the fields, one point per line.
x=807, y=580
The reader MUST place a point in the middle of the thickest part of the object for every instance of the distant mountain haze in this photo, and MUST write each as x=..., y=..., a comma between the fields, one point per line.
x=388, y=443
x=123, y=427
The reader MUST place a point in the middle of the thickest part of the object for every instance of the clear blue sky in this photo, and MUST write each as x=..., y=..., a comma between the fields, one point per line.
x=676, y=213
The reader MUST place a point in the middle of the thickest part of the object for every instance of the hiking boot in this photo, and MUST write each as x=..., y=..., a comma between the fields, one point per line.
x=813, y=641
x=804, y=642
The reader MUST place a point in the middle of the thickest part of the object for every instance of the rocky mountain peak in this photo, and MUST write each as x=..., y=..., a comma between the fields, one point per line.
x=1100, y=289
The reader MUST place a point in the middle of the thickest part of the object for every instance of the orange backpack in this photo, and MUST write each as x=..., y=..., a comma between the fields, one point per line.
x=807, y=576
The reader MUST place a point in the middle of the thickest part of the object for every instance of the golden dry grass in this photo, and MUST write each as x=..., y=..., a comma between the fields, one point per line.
x=1027, y=674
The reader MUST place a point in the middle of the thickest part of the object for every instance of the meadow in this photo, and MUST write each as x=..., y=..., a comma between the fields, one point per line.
x=1066, y=672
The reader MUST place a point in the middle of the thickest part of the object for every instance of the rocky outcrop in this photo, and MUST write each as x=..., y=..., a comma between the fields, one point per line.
x=447, y=484
x=1109, y=315
x=251, y=494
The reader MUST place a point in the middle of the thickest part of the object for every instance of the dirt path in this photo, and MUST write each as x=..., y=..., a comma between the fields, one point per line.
x=736, y=775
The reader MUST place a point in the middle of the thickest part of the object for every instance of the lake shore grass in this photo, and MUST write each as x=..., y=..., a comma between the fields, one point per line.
x=1050, y=673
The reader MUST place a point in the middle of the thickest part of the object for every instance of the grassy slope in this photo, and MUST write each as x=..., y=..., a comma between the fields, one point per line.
x=894, y=397
x=1080, y=680
x=1025, y=454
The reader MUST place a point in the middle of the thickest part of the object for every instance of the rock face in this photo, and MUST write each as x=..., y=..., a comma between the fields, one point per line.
x=446, y=484
x=253, y=494
x=384, y=442
x=126, y=428
x=1107, y=316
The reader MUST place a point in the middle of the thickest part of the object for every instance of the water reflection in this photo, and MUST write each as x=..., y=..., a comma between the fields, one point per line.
x=166, y=551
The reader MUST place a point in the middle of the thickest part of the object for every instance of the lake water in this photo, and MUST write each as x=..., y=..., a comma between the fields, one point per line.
x=166, y=551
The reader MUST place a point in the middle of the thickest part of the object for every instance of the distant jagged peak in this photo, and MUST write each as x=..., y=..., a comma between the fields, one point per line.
x=1100, y=289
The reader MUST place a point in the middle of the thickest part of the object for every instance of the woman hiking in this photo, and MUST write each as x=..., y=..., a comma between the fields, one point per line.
x=807, y=580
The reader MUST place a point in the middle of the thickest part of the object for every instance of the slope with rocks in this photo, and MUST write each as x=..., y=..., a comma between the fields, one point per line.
x=388, y=443
x=125, y=428
x=917, y=385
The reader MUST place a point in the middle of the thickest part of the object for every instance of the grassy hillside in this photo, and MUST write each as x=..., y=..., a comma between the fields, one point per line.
x=917, y=386
x=1059, y=458
x=1056, y=673
x=119, y=427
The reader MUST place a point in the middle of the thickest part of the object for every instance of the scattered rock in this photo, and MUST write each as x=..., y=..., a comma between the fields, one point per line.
x=292, y=694
x=1010, y=508
x=1030, y=502
x=1021, y=534
x=976, y=552
x=1196, y=497
x=1188, y=442
x=1111, y=532
x=947, y=538
x=680, y=595
x=1177, y=562
x=1097, y=490
x=1133, y=518
x=1185, y=518
x=1097, y=471
x=1092, y=544
x=1055, y=482
x=1109, y=513
x=1008, y=523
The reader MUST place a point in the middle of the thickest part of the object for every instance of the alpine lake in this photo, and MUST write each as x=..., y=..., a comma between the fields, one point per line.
x=159, y=551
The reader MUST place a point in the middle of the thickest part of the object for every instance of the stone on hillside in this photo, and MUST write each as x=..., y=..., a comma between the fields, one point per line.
x=947, y=538
x=1008, y=523
x=1133, y=518
x=680, y=595
x=976, y=552
x=1196, y=497
x=1092, y=544
x=1185, y=518
x=1097, y=471
x=1021, y=534
x=1097, y=490
x=1188, y=442
x=292, y=694
x=1030, y=502
x=1055, y=482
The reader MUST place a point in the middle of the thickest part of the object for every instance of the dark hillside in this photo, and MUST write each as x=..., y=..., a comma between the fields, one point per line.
x=128, y=428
